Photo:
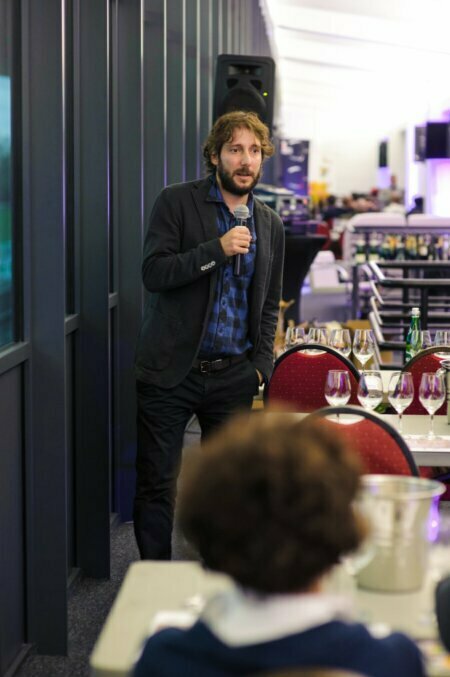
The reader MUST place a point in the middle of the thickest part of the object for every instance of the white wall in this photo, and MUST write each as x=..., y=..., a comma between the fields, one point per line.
x=344, y=156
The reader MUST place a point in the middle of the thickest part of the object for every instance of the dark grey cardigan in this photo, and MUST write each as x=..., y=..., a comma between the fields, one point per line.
x=182, y=253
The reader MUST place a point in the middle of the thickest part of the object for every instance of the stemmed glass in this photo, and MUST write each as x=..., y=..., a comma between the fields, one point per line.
x=420, y=340
x=340, y=340
x=294, y=336
x=432, y=396
x=316, y=335
x=363, y=345
x=442, y=338
x=370, y=389
x=337, y=388
x=401, y=393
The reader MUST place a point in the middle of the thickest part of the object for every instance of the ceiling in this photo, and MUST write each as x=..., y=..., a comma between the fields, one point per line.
x=358, y=64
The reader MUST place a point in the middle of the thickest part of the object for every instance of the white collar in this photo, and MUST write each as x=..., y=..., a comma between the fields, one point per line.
x=239, y=617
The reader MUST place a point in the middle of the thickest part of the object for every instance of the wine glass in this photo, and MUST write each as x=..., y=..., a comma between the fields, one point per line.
x=420, y=340
x=442, y=338
x=340, y=340
x=401, y=393
x=432, y=396
x=337, y=388
x=294, y=336
x=316, y=335
x=363, y=345
x=370, y=389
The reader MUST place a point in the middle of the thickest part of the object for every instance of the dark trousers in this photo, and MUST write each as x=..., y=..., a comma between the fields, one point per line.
x=161, y=421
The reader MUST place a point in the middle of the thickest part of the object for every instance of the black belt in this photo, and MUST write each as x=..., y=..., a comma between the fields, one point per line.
x=208, y=366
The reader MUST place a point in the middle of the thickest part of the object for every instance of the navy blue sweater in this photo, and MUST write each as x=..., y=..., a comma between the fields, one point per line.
x=197, y=652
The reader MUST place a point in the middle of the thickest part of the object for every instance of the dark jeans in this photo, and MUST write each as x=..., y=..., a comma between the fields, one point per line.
x=161, y=420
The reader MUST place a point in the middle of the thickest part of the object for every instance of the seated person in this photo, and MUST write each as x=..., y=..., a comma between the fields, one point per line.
x=268, y=501
x=395, y=205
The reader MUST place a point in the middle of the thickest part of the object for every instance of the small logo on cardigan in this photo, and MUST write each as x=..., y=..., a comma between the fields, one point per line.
x=209, y=265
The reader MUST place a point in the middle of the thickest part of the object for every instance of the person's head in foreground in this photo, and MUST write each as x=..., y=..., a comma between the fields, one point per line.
x=269, y=501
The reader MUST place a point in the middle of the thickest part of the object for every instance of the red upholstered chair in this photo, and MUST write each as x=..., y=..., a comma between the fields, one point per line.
x=298, y=379
x=381, y=448
x=425, y=361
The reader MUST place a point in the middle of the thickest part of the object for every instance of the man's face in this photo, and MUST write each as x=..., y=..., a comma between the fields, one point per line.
x=240, y=162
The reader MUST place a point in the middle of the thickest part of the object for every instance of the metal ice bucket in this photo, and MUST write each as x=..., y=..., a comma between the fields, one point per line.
x=404, y=518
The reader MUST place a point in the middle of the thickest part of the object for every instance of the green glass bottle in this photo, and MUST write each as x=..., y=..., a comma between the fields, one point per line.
x=414, y=326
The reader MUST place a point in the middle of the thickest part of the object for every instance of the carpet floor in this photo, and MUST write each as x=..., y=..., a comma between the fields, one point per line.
x=90, y=599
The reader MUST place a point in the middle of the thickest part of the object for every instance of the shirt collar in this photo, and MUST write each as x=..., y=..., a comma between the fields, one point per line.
x=215, y=195
x=240, y=618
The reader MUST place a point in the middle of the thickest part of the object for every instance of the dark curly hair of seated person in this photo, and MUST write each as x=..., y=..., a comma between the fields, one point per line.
x=269, y=501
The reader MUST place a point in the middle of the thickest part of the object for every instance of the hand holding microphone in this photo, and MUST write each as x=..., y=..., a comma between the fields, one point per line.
x=236, y=241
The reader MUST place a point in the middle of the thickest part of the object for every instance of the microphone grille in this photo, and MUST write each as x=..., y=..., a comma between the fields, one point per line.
x=241, y=212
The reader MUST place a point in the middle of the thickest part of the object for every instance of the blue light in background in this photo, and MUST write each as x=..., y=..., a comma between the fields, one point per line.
x=6, y=290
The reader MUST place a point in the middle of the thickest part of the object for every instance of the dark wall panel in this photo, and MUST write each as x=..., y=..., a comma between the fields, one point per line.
x=154, y=117
x=128, y=172
x=175, y=93
x=206, y=77
x=70, y=428
x=192, y=119
x=44, y=316
x=93, y=222
x=11, y=519
x=214, y=21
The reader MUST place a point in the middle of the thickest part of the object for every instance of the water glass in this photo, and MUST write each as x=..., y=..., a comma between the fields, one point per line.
x=442, y=338
x=432, y=395
x=401, y=393
x=370, y=389
x=337, y=387
x=363, y=345
x=340, y=340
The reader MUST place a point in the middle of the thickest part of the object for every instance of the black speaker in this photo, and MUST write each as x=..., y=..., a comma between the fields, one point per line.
x=383, y=154
x=420, y=143
x=437, y=142
x=245, y=83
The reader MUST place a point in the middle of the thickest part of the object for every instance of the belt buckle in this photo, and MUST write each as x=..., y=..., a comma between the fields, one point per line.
x=215, y=364
x=205, y=367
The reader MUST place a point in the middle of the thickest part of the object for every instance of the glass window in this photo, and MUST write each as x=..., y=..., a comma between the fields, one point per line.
x=6, y=201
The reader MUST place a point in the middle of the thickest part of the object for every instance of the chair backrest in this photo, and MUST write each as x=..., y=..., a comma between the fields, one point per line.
x=298, y=379
x=381, y=448
x=425, y=361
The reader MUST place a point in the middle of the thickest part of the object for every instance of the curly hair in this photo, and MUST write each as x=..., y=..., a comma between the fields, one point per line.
x=222, y=132
x=268, y=500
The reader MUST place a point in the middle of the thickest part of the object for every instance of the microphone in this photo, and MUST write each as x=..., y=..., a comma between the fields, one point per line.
x=241, y=214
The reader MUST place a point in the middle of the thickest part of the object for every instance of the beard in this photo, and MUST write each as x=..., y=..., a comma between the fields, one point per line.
x=228, y=183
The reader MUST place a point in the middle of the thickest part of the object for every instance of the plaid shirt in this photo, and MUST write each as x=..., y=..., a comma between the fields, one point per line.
x=227, y=331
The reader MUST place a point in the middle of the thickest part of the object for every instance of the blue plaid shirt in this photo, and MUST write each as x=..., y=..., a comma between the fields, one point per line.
x=227, y=331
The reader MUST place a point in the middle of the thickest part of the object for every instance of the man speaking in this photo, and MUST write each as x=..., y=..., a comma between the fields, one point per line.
x=213, y=259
